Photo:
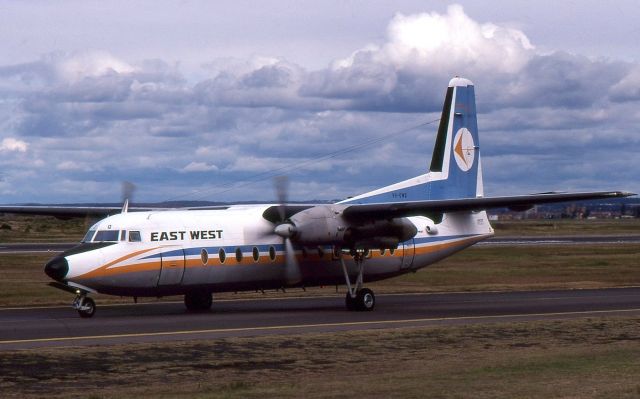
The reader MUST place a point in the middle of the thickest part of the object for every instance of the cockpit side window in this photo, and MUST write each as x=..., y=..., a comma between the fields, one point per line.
x=123, y=235
x=88, y=236
x=134, y=236
x=106, y=235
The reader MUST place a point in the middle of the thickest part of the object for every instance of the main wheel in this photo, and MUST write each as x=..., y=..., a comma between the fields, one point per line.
x=89, y=308
x=365, y=300
x=195, y=301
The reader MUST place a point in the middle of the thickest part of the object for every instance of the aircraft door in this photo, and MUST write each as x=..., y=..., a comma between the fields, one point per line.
x=171, y=266
x=409, y=251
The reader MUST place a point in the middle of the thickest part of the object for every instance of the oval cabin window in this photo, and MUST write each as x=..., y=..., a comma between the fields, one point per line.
x=204, y=255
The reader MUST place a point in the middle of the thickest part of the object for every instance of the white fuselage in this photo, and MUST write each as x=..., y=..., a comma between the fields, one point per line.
x=174, y=252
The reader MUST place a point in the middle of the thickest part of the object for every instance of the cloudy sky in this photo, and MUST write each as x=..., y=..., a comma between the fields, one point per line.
x=209, y=100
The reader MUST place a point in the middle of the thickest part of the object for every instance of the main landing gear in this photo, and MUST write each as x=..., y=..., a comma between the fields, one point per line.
x=85, y=306
x=198, y=301
x=358, y=298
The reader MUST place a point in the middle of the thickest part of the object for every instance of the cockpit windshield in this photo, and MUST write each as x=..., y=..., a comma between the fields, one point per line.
x=107, y=235
x=88, y=236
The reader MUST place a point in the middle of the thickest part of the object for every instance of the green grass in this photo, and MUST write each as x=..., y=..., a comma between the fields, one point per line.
x=584, y=358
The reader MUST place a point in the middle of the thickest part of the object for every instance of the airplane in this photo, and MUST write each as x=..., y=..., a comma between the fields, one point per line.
x=397, y=229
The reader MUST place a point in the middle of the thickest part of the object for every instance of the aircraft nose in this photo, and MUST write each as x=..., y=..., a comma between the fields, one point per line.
x=57, y=268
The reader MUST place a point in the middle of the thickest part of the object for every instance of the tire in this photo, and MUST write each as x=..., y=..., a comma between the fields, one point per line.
x=365, y=300
x=90, y=311
x=198, y=301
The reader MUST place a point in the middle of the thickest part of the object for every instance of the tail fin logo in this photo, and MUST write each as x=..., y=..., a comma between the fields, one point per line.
x=464, y=149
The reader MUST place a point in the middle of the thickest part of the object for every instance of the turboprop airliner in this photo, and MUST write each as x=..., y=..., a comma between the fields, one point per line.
x=377, y=235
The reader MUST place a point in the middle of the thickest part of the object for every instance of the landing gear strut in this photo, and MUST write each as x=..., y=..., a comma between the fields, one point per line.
x=85, y=306
x=358, y=298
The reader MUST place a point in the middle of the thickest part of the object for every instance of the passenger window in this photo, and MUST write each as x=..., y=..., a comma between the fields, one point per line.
x=256, y=254
x=221, y=255
x=204, y=256
x=272, y=253
x=134, y=236
x=238, y=255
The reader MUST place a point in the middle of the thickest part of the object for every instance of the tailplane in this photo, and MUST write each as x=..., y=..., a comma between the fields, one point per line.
x=455, y=170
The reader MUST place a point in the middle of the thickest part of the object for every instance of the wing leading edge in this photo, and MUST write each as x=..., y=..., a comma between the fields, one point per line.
x=66, y=212
x=431, y=207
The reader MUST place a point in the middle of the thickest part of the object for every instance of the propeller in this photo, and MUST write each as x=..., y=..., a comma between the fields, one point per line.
x=127, y=194
x=286, y=230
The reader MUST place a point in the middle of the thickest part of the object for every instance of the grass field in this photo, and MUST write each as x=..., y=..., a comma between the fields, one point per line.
x=585, y=358
x=19, y=228
x=555, y=227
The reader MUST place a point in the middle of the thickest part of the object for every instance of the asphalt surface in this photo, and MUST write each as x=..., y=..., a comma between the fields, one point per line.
x=22, y=328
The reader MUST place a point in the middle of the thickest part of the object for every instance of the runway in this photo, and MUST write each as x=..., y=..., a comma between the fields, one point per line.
x=22, y=328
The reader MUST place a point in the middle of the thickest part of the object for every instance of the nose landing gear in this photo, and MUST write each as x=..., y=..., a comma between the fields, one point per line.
x=85, y=306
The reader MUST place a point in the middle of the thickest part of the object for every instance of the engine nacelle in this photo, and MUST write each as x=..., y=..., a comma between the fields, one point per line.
x=319, y=225
x=325, y=225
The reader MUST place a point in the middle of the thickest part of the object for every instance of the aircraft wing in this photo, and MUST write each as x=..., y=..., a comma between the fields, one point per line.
x=430, y=207
x=66, y=212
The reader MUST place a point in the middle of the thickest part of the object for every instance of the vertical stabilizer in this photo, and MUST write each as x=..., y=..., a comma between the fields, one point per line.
x=455, y=164
x=455, y=170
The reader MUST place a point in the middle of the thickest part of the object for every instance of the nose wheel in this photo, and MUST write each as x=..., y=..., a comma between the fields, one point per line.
x=85, y=306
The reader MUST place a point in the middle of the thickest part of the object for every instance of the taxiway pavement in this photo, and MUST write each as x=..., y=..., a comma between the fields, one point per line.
x=33, y=327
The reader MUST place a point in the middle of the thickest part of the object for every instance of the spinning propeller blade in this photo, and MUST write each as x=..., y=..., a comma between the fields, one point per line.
x=286, y=230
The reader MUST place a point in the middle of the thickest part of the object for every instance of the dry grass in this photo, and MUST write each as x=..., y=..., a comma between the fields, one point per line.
x=20, y=228
x=585, y=358
x=528, y=267
x=561, y=227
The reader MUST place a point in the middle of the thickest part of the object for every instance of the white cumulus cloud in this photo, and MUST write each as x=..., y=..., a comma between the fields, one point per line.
x=11, y=144
x=199, y=167
x=447, y=41
x=91, y=64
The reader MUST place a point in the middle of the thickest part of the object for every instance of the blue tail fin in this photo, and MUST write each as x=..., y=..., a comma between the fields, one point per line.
x=455, y=170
